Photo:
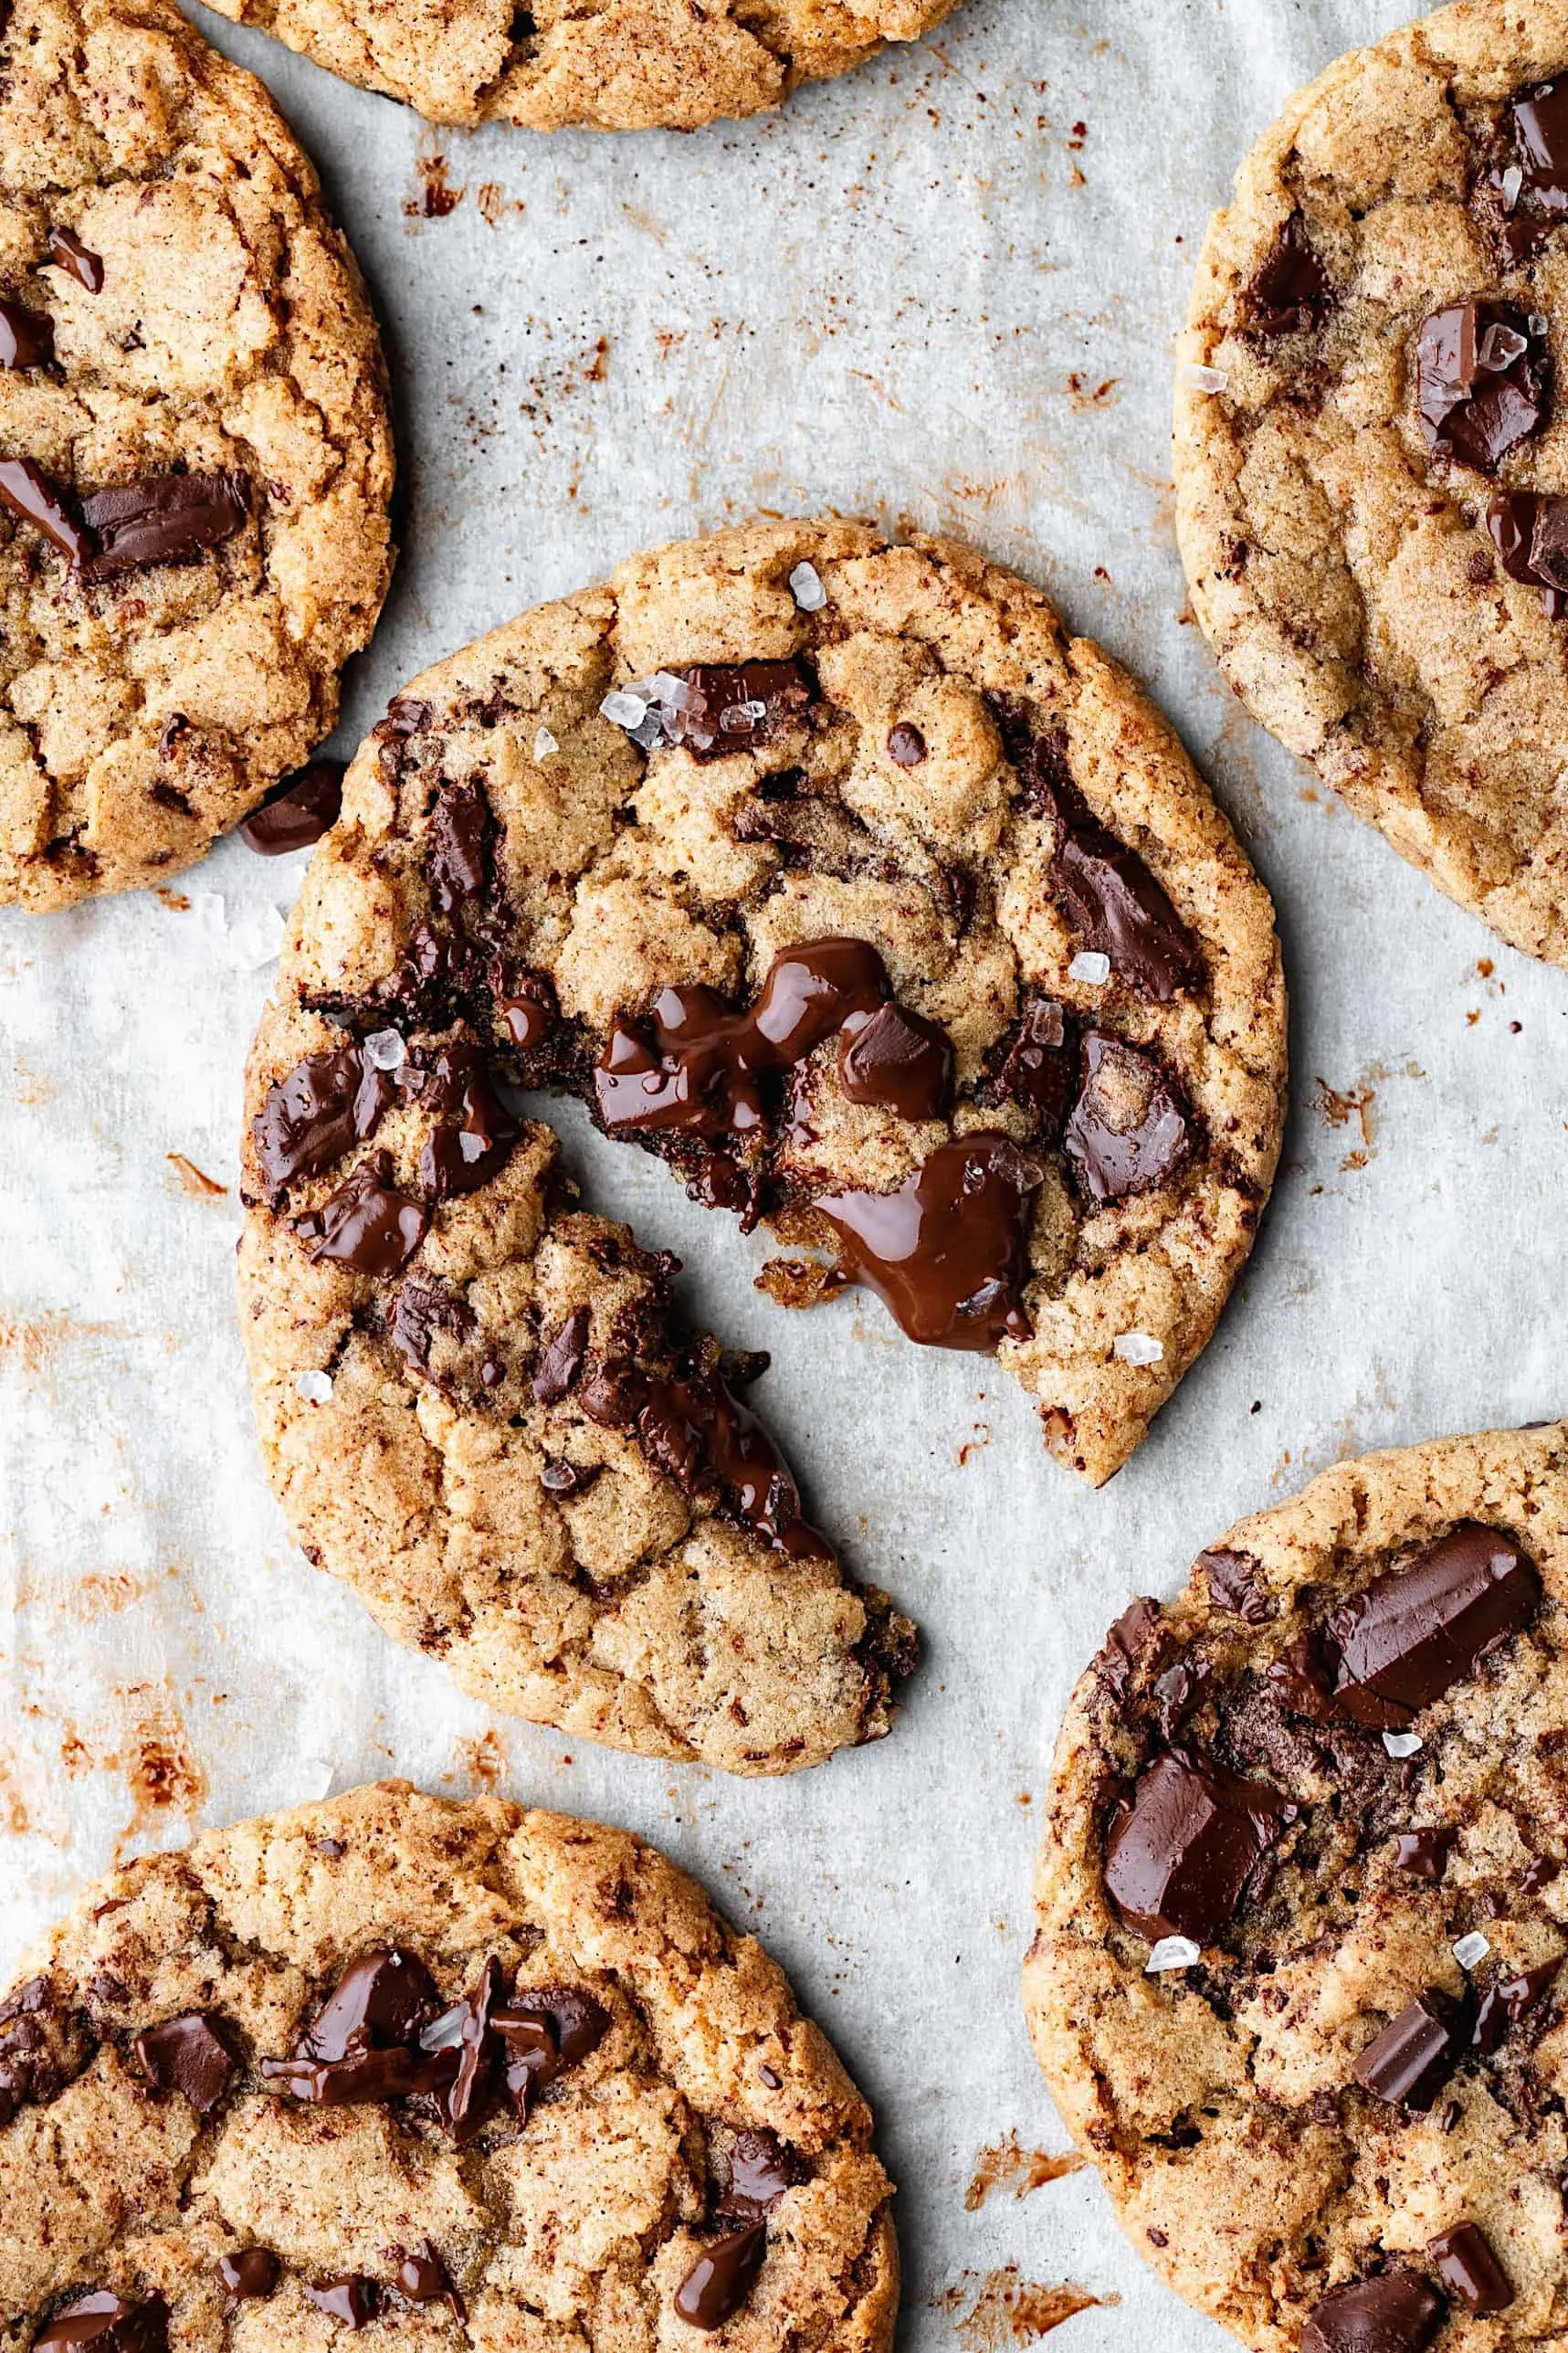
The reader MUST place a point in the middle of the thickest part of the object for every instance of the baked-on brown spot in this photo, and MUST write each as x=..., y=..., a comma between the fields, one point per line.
x=1008, y=2166
x=1005, y=2309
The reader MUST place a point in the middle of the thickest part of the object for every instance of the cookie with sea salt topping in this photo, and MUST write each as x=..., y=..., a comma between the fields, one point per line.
x=833, y=872
x=194, y=457
x=452, y=2074
x=615, y=65
x=1302, y=1910
x=1371, y=448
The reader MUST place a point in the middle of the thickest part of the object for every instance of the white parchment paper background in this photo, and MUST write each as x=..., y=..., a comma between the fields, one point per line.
x=945, y=289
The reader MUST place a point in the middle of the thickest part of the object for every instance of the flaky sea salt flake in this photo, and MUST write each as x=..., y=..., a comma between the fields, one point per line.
x=313, y=1386
x=1402, y=1744
x=1091, y=965
x=624, y=710
x=1138, y=1347
x=544, y=743
x=385, y=1050
x=806, y=586
x=1512, y=185
x=1194, y=378
x=1470, y=1949
x=1172, y=1953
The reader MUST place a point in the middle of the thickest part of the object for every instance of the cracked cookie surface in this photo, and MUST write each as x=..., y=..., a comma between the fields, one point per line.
x=194, y=457
x=1301, y=1905
x=464, y=2075
x=814, y=928
x=615, y=65
x=1371, y=448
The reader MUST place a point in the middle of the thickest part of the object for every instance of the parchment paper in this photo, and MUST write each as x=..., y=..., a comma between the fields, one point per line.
x=945, y=289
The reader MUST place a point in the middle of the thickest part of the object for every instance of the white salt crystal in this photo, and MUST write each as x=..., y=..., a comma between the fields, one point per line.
x=1471, y=1950
x=544, y=743
x=1091, y=965
x=806, y=586
x=627, y=711
x=385, y=1051
x=1172, y=1953
x=314, y=1388
x=1137, y=1349
x=1194, y=378
x=1402, y=1744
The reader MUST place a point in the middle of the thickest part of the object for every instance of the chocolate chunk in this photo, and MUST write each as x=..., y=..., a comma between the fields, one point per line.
x=707, y=1070
x=464, y=2031
x=1394, y=2313
x=352, y=2297
x=1178, y=1693
x=109, y=2325
x=898, y=1059
x=422, y=2278
x=530, y=1010
x=366, y=1225
x=1416, y=1631
x=425, y=1306
x=1507, y=2002
x=741, y=705
x=948, y=1252
x=1409, y=2063
x=722, y=2277
x=759, y=2168
x=563, y=1480
x=1292, y=293
x=27, y=491
x=1180, y=1861
x=475, y=1132
x=69, y=253
x=1236, y=1582
x=1112, y=903
x=1132, y=1635
x=188, y=2055
x=305, y=806
x=360, y=2046
x=1539, y=1874
x=26, y=337
x=1464, y=2262
x=700, y=1433
x=906, y=744
x=1041, y=1068
x=1130, y=1129
x=1528, y=193
x=162, y=520
x=250, y=2276
x=1481, y=382
x=1424, y=1853
x=562, y=1360
x=310, y=1119
x=461, y=836
x=1529, y=532
x=545, y=2029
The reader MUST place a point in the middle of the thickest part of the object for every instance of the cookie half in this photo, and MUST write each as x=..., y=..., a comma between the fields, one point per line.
x=464, y=2075
x=194, y=457
x=1302, y=1910
x=615, y=65
x=1371, y=448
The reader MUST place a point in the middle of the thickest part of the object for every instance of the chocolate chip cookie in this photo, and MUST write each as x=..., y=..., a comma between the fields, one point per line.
x=195, y=460
x=1302, y=1910
x=1371, y=448
x=617, y=65
x=489, y=2076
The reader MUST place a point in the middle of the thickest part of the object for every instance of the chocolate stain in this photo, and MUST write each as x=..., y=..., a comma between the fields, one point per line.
x=483, y=1759
x=1004, y=2165
x=1006, y=2309
x=1337, y=1107
x=434, y=196
x=194, y=1179
x=158, y=1762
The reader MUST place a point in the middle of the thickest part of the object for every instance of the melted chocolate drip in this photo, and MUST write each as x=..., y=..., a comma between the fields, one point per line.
x=79, y=260
x=165, y=519
x=312, y=1118
x=1112, y=903
x=422, y=2278
x=1529, y=532
x=1464, y=2261
x=109, y=2325
x=366, y=1225
x=722, y=2277
x=350, y=2297
x=250, y=2276
x=27, y=491
x=948, y=1253
x=462, y=844
x=26, y=337
x=474, y=1133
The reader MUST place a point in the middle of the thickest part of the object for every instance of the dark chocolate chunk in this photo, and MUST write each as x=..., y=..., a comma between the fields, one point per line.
x=898, y=1059
x=464, y=2031
x=188, y=2055
x=759, y=2168
x=352, y=2297
x=1482, y=377
x=361, y=2045
x=906, y=744
x=475, y=1130
x=67, y=252
x=1292, y=293
x=529, y=1010
x=162, y=520
x=1133, y=1631
x=741, y=705
x=1538, y=1874
x=366, y=1225
x=422, y=2278
x=565, y=1479
x=562, y=1362
x=1409, y=2063
x=1112, y=903
x=1419, y=1630
x=312, y=1118
x=545, y=2029
x=425, y=1306
x=1507, y=2002
x=1130, y=1129
x=109, y=2325
x=1179, y=1862
x=1042, y=1064
x=1236, y=1582
x=461, y=834
x=1464, y=2262
x=1178, y=1693
x=250, y=2276
x=948, y=1252
x=26, y=337
x=1528, y=193
x=27, y=491
x=304, y=807
x=1396, y=2313
x=722, y=2277
x=1424, y=1853
x=1529, y=532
